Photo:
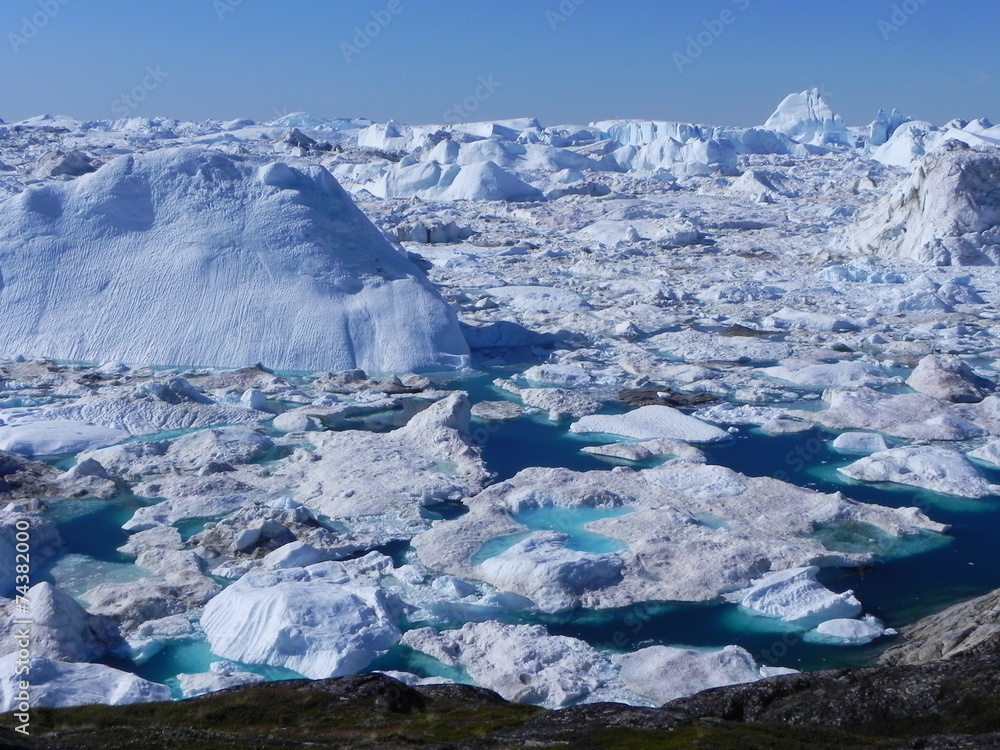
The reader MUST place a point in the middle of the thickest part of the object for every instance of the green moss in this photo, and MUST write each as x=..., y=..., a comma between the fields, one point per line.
x=734, y=737
x=285, y=715
x=274, y=718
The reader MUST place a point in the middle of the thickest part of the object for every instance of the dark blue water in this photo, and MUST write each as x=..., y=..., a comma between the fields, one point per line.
x=897, y=590
x=509, y=447
x=900, y=588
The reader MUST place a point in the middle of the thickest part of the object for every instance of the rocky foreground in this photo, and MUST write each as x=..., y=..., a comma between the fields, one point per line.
x=952, y=702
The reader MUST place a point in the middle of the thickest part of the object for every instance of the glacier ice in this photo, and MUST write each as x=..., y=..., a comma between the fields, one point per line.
x=947, y=212
x=807, y=118
x=310, y=620
x=190, y=256
x=795, y=596
x=57, y=684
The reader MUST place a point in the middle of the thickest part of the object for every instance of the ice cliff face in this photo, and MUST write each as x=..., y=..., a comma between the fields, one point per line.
x=193, y=257
x=807, y=118
x=946, y=213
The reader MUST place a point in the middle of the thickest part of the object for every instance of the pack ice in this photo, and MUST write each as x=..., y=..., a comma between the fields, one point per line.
x=193, y=257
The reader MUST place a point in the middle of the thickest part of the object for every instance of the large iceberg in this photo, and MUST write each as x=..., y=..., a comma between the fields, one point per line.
x=194, y=257
x=946, y=213
x=807, y=118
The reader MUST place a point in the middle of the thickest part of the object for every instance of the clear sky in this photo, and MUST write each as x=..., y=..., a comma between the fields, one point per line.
x=563, y=61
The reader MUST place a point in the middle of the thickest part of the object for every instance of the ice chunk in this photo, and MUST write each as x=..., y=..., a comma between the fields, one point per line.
x=663, y=673
x=950, y=379
x=482, y=181
x=524, y=663
x=649, y=423
x=807, y=118
x=844, y=374
x=223, y=675
x=859, y=442
x=847, y=632
x=946, y=213
x=695, y=532
x=796, y=596
x=555, y=576
x=569, y=375
x=50, y=437
x=929, y=467
x=990, y=453
x=60, y=628
x=305, y=619
x=56, y=684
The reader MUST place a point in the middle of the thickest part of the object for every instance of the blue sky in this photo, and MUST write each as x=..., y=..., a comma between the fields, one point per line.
x=198, y=59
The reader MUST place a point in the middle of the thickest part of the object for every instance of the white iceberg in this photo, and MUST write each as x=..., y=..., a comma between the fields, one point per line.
x=310, y=620
x=189, y=256
x=650, y=423
x=796, y=596
x=56, y=684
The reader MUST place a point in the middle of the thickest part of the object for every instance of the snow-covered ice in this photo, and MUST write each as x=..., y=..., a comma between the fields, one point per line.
x=795, y=596
x=312, y=283
x=651, y=423
x=310, y=620
x=927, y=467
